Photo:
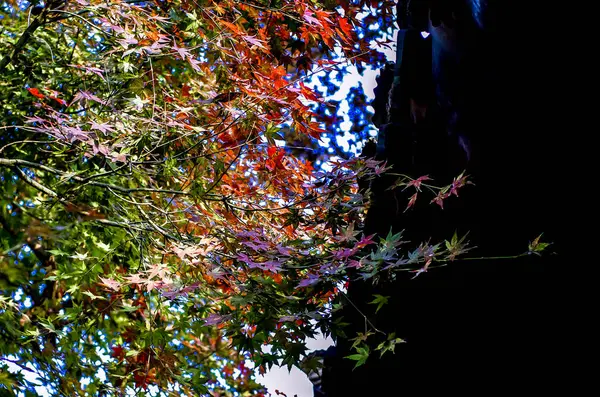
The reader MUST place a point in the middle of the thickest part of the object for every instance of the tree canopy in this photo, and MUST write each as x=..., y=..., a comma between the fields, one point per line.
x=160, y=219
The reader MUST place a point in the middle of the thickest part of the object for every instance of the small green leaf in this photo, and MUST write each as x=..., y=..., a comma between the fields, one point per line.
x=536, y=247
x=360, y=357
x=390, y=344
x=92, y=296
x=379, y=300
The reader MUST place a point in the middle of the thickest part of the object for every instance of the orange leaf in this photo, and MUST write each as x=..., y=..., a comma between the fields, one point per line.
x=346, y=29
x=36, y=93
x=234, y=28
x=308, y=93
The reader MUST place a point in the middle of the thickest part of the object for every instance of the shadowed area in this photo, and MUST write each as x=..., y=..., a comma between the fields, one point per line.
x=484, y=92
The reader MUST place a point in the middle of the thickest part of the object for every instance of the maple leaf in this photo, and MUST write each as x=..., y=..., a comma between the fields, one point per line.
x=216, y=319
x=141, y=379
x=417, y=182
x=183, y=53
x=36, y=93
x=364, y=241
x=411, y=201
x=272, y=266
x=135, y=279
x=159, y=270
x=190, y=288
x=138, y=102
x=312, y=279
x=345, y=28
x=308, y=93
x=439, y=199
x=275, y=158
x=81, y=257
x=246, y=259
x=152, y=284
x=111, y=284
x=97, y=71
x=104, y=127
x=283, y=250
x=459, y=182
x=361, y=356
x=234, y=28
x=390, y=344
x=348, y=234
x=194, y=63
x=128, y=40
x=256, y=245
x=183, y=252
x=308, y=17
x=284, y=319
x=255, y=42
x=536, y=247
x=87, y=95
x=344, y=253
x=118, y=352
x=418, y=272
x=457, y=246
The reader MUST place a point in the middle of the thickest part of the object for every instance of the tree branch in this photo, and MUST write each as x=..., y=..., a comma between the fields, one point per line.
x=37, y=185
x=85, y=181
x=4, y=62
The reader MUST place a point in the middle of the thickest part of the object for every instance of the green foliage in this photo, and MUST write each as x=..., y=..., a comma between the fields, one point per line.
x=389, y=344
x=361, y=356
x=380, y=301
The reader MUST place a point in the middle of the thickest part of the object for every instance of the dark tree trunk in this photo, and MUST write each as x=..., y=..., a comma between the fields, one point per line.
x=499, y=107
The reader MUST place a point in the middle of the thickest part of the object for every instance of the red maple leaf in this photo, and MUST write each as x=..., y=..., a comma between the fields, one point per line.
x=345, y=28
x=308, y=93
x=118, y=352
x=36, y=93
x=417, y=182
x=411, y=202
x=275, y=158
x=439, y=199
x=140, y=379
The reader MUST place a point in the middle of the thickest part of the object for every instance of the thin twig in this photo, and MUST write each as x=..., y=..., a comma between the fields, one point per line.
x=37, y=185
x=361, y=313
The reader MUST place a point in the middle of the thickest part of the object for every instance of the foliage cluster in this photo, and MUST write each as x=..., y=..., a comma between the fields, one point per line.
x=156, y=230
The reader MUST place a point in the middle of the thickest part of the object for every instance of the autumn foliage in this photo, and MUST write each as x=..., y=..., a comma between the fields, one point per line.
x=155, y=229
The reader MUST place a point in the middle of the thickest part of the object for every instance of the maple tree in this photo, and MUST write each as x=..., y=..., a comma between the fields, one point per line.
x=155, y=228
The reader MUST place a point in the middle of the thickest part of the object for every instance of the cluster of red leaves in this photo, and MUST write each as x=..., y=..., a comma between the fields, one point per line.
x=53, y=95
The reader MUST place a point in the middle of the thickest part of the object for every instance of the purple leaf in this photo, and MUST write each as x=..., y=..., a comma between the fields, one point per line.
x=215, y=319
x=312, y=279
x=284, y=319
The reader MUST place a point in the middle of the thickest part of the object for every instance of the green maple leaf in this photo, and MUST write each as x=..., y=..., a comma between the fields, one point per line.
x=360, y=357
x=379, y=300
x=390, y=344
